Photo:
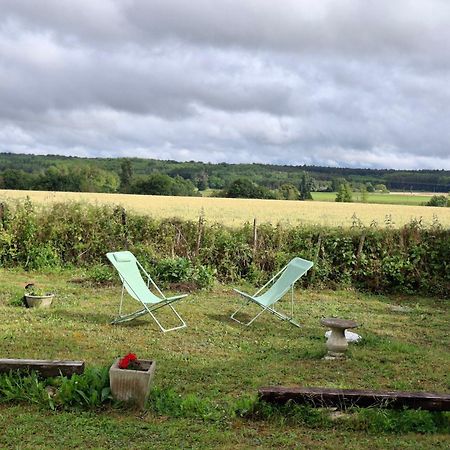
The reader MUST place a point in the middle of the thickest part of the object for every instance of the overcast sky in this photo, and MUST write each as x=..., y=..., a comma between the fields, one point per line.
x=352, y=83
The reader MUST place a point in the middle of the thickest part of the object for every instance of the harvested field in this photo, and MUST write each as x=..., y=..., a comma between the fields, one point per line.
x=235, y=212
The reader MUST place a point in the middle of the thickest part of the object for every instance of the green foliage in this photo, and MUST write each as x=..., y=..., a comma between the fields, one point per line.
x=84, y=178
x=373, y=420
x=126, y=175
x=364, y=194
x=100, y=274
x=410, y=259
x=288, y=191
x=30, y=172
x=370, y=187
x=307, y=184
x=161, y=184
x=244, y=188
x=381, y=188
x=344, y=193
x=390, y=421
x=438, y=200
x=88, y=390
x=183, y=270
x=167, y=402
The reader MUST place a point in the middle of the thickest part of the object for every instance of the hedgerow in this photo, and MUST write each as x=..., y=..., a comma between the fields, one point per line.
x=412, y=259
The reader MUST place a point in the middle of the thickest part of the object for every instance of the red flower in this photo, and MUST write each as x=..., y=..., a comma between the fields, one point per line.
x=125, y=361
x=132, y=357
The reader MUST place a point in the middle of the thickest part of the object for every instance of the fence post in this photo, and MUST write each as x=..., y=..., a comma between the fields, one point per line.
x=125, y=228
x=199, y=235
x=255, y=238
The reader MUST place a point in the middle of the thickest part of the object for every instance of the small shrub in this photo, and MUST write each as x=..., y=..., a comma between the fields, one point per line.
x=100, y=274
x=88, y=390
x=182, y=270
x=438, y=200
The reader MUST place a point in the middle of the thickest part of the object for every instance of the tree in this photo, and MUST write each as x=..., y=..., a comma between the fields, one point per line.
x=438, y=200
x=336, y=183
x=306, y=185
x=381, y=188
x=16, y=179
x=162, y=184
x=288, y=191
x=202, y=181
x=126, y=175
x=364, y=194
x=81, y=178
x=344, y=193
x=244, y=188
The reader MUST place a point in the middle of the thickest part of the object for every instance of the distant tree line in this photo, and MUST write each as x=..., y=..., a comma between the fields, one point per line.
x=148, y=176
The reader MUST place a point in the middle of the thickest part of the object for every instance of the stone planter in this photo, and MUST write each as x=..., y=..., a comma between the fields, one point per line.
x=132, y=385
x=39, y=301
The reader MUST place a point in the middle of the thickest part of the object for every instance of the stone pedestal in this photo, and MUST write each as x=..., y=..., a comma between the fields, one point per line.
x=336, y=343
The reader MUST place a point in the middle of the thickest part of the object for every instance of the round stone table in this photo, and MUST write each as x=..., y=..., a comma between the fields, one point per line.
x=336, y=343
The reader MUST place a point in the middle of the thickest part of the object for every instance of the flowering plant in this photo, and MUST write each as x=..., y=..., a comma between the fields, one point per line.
x=130, y=362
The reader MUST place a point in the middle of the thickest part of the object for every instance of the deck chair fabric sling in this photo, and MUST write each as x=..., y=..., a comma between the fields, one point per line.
x=130, y=272
x=282, y=282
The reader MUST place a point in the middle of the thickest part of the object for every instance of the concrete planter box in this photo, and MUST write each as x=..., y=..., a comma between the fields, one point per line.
x=132, y=385
x=39, y=301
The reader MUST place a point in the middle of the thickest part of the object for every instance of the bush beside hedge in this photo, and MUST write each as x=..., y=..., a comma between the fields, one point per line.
x=413, y=259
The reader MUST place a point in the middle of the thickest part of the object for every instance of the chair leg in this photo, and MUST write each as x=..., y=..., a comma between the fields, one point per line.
x=128, y=317
x=165, y=330
x=281, y=316
x=251, y=321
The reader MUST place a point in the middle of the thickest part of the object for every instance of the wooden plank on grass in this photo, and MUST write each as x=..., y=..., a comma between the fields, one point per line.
x=344, y=398
x=46, y=368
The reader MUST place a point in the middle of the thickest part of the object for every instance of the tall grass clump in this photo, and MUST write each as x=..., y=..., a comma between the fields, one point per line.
x=87, y=391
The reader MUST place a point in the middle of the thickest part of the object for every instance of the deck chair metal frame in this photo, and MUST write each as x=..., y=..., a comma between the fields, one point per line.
x=152, y=302
x=304, y=264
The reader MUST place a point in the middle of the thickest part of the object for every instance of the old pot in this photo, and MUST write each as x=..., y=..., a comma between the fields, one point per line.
x=39, y=301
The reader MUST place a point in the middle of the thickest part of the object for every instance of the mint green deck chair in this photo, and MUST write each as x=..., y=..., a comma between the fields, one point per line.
x=130, y=272
x=283, y=281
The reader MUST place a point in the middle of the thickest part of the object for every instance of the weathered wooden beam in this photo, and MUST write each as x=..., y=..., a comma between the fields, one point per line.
x=344, y=398
x=46, y=368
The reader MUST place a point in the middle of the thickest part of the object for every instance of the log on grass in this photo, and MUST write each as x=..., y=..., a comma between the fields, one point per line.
x=344, y=398
x=46, y=368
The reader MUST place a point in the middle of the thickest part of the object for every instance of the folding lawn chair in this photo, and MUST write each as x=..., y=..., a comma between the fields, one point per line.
x=282, y=282
x=130, y=272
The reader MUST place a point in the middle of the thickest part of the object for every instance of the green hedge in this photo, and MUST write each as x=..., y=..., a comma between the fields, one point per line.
x=412, y=259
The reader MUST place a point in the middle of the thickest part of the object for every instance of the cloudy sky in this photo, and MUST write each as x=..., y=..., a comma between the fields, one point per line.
x=354, y=83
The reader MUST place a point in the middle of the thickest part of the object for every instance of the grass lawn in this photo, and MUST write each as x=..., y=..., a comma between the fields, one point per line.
x=220, y=361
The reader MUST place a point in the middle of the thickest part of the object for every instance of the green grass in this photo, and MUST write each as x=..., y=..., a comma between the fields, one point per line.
x=391, y=198
x=215, y=363
x=372, y=197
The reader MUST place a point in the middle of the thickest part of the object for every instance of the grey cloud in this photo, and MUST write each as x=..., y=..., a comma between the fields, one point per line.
x=342, y=83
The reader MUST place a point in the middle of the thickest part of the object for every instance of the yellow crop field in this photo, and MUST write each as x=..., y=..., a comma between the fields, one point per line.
x=235, y=212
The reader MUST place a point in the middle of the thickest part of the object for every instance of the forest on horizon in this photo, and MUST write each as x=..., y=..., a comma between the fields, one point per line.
x=151, y=176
